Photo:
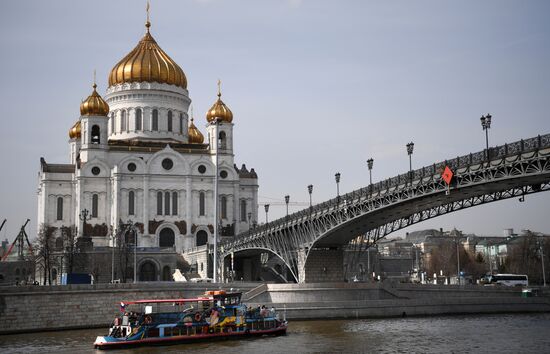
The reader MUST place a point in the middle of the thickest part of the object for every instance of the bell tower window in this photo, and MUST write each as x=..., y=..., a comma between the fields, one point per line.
x=181, y=123
x=95, y=134
x=223, y=140
x=169, y=121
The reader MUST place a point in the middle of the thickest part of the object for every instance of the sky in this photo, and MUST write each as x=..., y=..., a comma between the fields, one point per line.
x=316, y=87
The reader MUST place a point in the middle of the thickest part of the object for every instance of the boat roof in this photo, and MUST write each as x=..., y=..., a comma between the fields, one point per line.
x=165, y=301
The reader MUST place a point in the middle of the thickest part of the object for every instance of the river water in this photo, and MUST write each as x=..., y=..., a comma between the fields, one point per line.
x=517, y=333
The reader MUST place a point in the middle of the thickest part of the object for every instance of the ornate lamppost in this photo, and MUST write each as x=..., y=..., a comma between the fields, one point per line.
x=266, y=208
x=310, y=190
x=486, y=125
x=410, y=148
x=370, y=162
x=287, y=199
x=337, y=178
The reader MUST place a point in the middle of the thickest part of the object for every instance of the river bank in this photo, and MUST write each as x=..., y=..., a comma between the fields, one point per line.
x=40, y=308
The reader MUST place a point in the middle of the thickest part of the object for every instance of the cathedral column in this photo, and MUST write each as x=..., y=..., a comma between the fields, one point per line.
x=188, y=210
x=116, y=199
x=236, y=211
x=145, y=216
x=108, y=202
x=79, y=204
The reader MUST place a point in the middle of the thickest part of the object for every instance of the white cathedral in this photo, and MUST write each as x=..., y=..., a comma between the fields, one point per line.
x=136, y=155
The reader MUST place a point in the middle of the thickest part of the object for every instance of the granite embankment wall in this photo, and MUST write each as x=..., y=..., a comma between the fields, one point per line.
x=40, y=308
x=345, y=300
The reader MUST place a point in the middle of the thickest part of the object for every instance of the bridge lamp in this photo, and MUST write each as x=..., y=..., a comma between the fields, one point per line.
x=370, y=162
x=287, y=199
x=310, y=190
x=337, y=177
x=249, y=217
x=486, y=125
x=266, y=207
x=410, y=149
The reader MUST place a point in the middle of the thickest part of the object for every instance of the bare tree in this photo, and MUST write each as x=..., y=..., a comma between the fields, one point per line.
x=44, y=245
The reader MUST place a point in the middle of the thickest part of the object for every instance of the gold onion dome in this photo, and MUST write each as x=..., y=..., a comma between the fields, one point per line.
x=219, y=110
x=75, y=131
x=94, y=105
x=195, y=136
x=147, y=62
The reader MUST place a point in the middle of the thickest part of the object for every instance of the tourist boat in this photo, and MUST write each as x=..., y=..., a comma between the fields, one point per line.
x=215, y=315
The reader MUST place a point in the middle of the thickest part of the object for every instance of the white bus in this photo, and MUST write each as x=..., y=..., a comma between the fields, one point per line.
x=508, y=279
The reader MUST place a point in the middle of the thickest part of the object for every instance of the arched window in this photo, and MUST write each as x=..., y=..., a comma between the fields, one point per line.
x=123, y=121
x=174, y=203
x=138, y=119
x=95, y=202
x=95, y=134
x=167, y=238
x=243, y=210
x=181, y=123
x=223, y=207
x=201, y=204
x=155, y=121
x=169, y=121
x=60, y=208
x=223, y=140
x=166, y=203
x=202, y=238
x=159, y=203
x=131, y=199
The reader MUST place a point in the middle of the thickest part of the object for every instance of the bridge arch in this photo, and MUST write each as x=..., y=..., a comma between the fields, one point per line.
x=226, y=255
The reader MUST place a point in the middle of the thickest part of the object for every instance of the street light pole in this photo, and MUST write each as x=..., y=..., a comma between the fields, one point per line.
x=541, y=244
x=370, y=162
x=310, y=190
x=266, y=207
x=486, y=125
x=215, y=271
x=84, y=216
x=287, y=199
x=410, y=149
x=457, y=262
x=249, y=217
x=337, y=178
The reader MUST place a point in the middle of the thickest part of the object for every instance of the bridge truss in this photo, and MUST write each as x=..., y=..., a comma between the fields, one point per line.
x=364, y=216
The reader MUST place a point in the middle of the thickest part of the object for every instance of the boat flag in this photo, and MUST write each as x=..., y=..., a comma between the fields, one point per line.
x=122, y=307
x=447, y=175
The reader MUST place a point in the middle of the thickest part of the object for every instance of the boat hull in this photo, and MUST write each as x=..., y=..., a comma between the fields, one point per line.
x=113, y=343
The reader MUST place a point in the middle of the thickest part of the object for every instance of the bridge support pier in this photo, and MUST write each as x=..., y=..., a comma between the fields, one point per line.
x=321, y=265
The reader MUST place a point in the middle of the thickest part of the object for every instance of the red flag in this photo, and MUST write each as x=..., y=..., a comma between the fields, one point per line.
x=447, y=175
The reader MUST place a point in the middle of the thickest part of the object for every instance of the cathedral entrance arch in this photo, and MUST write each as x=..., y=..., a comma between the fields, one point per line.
x=147, y=271
x=167, y=237
x=202, y=238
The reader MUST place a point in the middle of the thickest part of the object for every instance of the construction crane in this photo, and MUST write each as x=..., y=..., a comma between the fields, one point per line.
x=20, y=240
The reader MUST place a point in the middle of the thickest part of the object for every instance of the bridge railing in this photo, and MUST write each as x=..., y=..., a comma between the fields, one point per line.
x=497, y=152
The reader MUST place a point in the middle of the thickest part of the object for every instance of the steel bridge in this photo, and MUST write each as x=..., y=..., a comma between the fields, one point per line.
x=309, y=240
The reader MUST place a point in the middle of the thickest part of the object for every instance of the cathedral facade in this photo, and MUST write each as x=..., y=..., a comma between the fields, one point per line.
x=137, y=157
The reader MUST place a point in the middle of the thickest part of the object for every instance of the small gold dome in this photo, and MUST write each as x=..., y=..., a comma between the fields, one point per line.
x=94, y=105
x=219, y=111
x=195, y=136
x=147, y=62
x=75, y=132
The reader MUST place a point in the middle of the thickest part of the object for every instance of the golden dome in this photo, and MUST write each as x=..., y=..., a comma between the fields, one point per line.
x=94, y=105
x=147, y=62
x=75, y=132
x=219, y=110
x=195, y=136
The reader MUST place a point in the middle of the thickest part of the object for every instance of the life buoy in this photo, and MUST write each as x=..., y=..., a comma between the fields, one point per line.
x=198, y=316
x=148, y=319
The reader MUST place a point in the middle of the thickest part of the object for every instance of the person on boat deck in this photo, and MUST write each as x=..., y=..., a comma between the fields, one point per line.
x=264, y=311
